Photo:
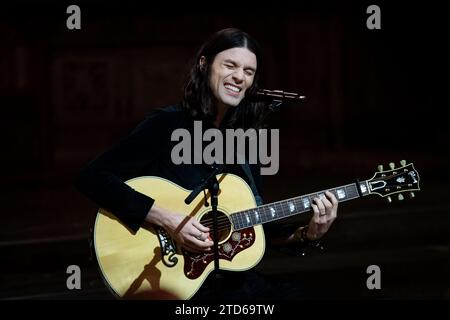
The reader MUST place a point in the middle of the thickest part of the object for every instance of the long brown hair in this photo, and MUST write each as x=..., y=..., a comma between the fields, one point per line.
x=198, y=97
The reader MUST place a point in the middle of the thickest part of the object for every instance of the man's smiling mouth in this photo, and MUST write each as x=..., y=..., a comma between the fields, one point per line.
x=232, y=88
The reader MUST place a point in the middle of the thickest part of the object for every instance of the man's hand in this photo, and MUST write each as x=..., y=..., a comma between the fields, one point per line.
x=188, y=232
x=325, y=212
x=185, y=230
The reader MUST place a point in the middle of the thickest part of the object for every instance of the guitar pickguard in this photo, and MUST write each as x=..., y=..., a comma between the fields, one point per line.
x=195, y=263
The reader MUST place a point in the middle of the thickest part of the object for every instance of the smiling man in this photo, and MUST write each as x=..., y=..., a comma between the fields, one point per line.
x=223, y=77
x=232, y=73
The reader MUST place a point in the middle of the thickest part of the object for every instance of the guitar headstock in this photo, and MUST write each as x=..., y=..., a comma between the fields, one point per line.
x=400, y=180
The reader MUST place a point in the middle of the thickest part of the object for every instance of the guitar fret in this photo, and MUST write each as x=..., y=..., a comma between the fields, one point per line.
x=340, y=194
x=271, y=212
x=264, y=217
x=279, y=210
x=239, y=220
x=348, y=191
x=261, y=215
x=256, y=217
x=300, y=206
x=351, y=192
x=235, y=218
x=306, y=203
x=247, y=219
x=287, y=212
x=280, y=205
x=291, y=206
x=285, y=208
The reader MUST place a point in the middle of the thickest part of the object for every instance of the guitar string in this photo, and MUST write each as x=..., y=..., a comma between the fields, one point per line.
x=224, y=221
x=224, y=218
x=222, y=224
x=310, y=197
x=221, y=220
x=219, y=224
x=222, y=228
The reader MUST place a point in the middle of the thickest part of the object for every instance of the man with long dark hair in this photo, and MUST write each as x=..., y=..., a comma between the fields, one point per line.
x=217, y=93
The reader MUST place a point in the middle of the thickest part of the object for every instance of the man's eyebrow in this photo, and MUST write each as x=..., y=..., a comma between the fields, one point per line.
x=235, y=63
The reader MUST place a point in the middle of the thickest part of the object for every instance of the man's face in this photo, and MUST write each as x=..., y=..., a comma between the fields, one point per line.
x=232, y=73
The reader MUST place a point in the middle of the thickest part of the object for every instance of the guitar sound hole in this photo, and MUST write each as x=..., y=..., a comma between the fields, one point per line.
x=223, y=224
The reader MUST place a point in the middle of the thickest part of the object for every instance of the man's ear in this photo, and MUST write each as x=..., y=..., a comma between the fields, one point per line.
x=202, y=63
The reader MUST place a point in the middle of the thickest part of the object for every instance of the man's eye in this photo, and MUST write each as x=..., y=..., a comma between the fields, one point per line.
x=249, y=72
x=229, y=66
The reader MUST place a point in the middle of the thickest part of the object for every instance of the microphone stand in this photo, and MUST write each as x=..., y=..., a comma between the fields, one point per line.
x=272, y=106
x=212, y=185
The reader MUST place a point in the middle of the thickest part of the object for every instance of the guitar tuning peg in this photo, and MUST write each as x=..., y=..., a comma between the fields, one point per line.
x=389, y=199
x=400, y=197
x=403, y=163
x=411, y=194
x=380, y=168
x=391, y=165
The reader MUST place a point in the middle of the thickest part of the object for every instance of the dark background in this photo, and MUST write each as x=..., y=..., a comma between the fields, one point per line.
x=374, y=96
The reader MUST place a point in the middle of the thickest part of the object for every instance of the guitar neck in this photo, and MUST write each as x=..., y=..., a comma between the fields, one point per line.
x=297, y=205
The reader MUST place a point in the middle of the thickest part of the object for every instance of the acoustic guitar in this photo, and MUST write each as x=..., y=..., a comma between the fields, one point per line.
x=150, y=261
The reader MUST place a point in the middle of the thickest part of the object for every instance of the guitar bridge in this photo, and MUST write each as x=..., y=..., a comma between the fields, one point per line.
x=168, y=248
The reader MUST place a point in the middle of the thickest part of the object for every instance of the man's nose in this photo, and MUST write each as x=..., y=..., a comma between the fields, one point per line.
x=238, y=75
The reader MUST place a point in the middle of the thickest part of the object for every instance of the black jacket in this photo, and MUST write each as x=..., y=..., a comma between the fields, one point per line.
x=146, y=151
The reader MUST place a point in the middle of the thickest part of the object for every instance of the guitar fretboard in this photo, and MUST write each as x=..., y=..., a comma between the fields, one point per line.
x=290, y=207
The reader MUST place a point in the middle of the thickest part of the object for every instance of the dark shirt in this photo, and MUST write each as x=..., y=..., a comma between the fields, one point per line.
x=146, y=151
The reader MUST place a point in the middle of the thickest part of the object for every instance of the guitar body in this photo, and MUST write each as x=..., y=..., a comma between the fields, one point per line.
x=150, y=260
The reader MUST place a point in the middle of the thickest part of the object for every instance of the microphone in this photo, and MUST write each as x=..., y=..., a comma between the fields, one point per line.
x=277, y=95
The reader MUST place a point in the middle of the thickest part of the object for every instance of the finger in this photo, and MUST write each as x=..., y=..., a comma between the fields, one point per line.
x=317, y=218
x=328, y=206
x=207, y=236
x=316, y=211
x=196, y=245
x=321, y=207
x=199, y=226
x=332, y=198
x=201, y=245
x=322, y=218
x=334, y=202
x=195, y=233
